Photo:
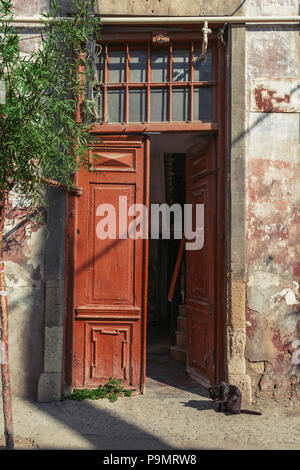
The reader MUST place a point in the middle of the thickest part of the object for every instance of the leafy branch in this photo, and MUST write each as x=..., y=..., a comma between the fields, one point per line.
x=41, y=140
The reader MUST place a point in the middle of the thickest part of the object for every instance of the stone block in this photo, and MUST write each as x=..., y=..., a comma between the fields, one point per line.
x=49, y=387
x=53, y=349
x=238, y=305
x=243, y=382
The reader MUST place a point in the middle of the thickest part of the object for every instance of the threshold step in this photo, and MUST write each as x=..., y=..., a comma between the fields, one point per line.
x=178, y=354
x=180, y=338
x=181, y=323
x=182, y=310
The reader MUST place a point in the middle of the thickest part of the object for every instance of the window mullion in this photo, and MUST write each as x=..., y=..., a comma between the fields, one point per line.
x=170, y=80
x=126, y=84
x=106, y=59
x=148, y=82
x=191, y=98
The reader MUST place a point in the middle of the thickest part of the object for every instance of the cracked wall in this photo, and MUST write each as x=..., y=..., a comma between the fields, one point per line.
x=273, y=196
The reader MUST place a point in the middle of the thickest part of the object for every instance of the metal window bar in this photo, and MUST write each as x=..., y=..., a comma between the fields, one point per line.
x=149, y=85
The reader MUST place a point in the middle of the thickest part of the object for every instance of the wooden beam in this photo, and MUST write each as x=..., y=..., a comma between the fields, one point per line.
x=176, y=269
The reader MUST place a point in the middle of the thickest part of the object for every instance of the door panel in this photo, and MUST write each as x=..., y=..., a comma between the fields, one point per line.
x=109, y=258
x=201, y=278
x=108, y=352
x=110, y=274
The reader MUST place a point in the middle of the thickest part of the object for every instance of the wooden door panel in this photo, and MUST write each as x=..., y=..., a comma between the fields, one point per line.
x=110, y=273
x=108, y=352
x=201, y=277
x=111, y=276
x=199, y=349
x=200, y=282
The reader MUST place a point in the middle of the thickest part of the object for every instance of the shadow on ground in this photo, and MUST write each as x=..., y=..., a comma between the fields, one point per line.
x=99, y=429
x=98, y=425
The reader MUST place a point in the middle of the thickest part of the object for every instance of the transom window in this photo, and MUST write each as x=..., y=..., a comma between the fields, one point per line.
x=154, y=85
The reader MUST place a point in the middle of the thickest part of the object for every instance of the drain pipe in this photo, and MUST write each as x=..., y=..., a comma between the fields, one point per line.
x=199, y=19
x=115, y=20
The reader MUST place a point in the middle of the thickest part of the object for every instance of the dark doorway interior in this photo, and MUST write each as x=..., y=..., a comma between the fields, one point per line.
x=167, y=185
x=162, y=258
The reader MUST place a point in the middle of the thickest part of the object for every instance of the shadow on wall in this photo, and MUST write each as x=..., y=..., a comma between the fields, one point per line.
x=24, y=269
x=32, y=261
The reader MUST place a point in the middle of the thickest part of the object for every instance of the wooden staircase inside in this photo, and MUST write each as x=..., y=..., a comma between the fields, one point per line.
x=178, y=352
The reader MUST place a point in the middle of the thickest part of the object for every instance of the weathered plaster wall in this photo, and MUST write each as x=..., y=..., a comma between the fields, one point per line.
x=273, y=196
x=168, y=7
x=24, y=270
x=35, y=275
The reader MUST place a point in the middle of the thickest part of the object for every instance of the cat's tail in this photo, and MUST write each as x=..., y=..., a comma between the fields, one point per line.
x=250, y=412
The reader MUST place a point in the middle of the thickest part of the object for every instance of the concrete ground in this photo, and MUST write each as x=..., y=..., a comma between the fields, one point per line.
x=174, y=413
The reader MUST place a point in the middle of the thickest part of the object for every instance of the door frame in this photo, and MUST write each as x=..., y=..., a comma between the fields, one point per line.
x=70, y=246
x=220, y=132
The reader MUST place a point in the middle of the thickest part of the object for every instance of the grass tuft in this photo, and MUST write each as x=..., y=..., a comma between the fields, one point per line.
x=111, y=390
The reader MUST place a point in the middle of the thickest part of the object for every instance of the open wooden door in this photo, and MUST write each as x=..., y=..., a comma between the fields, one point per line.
x=110, y=281
x=201, y=265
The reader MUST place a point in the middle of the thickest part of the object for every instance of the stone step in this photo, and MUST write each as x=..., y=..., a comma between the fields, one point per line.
x=182, y=310
x=181, y=323
x=180, y=338
x=178, y=354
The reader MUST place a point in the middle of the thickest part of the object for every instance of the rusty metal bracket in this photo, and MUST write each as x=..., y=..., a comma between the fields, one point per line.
x=220, y=34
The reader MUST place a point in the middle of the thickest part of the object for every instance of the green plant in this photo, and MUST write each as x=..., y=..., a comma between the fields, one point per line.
x=111, y=390
x=42, y=139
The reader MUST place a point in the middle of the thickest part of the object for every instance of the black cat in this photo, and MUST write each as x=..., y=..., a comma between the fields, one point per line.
x=228, y=398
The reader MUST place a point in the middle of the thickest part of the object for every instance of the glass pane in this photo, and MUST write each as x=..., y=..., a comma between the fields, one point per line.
x=116, y=66
x=137, y=105
x=202, y=104
x=180, y=104
x=138, y=66
x=160, y=66
x=202, y=68
x=181, y=65
x=100, y=68
x=115, y=105
x=159, y=105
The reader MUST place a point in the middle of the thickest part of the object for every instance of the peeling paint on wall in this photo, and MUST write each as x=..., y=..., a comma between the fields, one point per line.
x=275, y=96
x=273, y=196
x=287, y=294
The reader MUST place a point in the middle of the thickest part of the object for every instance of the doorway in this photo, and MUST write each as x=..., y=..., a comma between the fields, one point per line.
x=116, y=279
x=169, y=328
x=162, y=98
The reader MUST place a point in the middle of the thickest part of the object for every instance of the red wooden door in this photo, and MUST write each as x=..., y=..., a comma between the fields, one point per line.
x=110, y=274
x=201, y=264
